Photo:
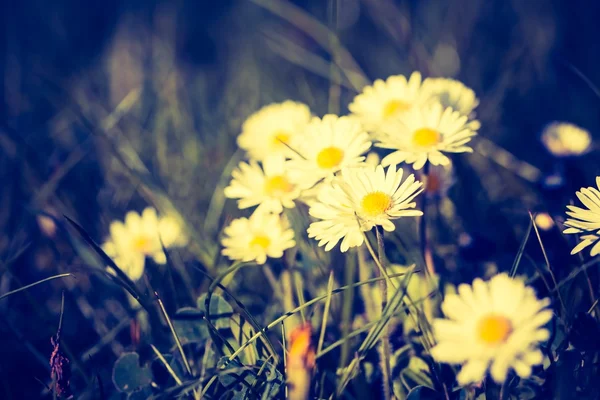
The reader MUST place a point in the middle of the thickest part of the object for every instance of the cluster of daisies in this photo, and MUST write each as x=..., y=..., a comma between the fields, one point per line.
x=295, y=159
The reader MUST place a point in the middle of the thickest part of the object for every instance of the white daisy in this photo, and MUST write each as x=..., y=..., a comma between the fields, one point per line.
x=141, y=236
x=495, y=325
x=425, y=133
x=359, y=199
x=586, y=221
x=451, y=93
x=386, y=100
x=329, y=144
x=258, y=237
x=562, y=139
x=273, y=128
x=271, y=186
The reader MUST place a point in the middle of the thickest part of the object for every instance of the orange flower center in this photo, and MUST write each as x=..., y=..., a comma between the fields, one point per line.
x=260, y=241
x=426, y=137
x=330, y=157
x=278, y=185
x=142, y=244
x=375, y=203
x=281, y=138
x=394, y=107
x=494, y=329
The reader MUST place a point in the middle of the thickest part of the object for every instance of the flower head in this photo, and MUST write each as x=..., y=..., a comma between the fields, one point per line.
x=387, y=100
x=329, y=144
x=358, y=200
x=273, y=128
x=562, y=139
x=425, y=134
x=142, y=236
x=493, y=325
x=271, y=186
x=586, y=221
x=258, y=237
x=450, y=93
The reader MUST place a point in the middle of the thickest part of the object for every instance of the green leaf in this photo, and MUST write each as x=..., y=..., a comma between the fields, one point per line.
x=128, y=375
x=220, y=310
x=189, y=325
x=424, y=393
x=143, y=394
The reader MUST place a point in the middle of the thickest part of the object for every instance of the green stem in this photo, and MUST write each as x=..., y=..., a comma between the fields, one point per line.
x=385, y=338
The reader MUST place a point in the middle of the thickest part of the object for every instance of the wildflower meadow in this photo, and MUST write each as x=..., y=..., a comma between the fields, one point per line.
x=330, y=199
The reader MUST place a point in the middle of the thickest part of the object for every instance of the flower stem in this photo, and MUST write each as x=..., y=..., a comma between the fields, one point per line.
x=423, y=228
x=385, y=338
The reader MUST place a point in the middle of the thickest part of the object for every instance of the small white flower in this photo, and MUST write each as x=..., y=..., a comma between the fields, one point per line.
x=425, y=133
x=451, y=93
x=270, y=187
x=258, y=237
x=358, y=200
x=273, y=128
x=141, y=236
x=495, y=325
x=562, y=139
x=586, y=221
x=329, y=144
x=387, y=100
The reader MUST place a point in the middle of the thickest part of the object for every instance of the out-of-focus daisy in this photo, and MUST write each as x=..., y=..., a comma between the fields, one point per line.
x=258, y=237
x=140, y=236
x=387, y=100
x=544, y=221
x=451, y=93
x=494, y=325
x=330, y=144
x=562, y=139
x=273, y=128
x=425, y=134
x=358, y=200
x=271, y=186
x=586, y=221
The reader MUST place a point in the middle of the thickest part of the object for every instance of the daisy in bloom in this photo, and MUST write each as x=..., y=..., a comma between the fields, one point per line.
x=586, y=221
x=451, y=93
x=562, y=139
x=494, y=325
x=140, y=236
x=359, y=199
x=271, y=186
x=387, y=100
x=328, y=145
x=425, y=133
x=273, y=128
x=258, y=237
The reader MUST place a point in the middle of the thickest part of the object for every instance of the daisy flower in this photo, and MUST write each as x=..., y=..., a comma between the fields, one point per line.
x=329, y=144
x=494, y=325
x=140, y=236
x=562, y=139
x=386, y=100
x=271, y=186
x=258, y=237
x=586, y=221
x=451, y=93
x=359, y=199
x=425, y=134
x=273, y=128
